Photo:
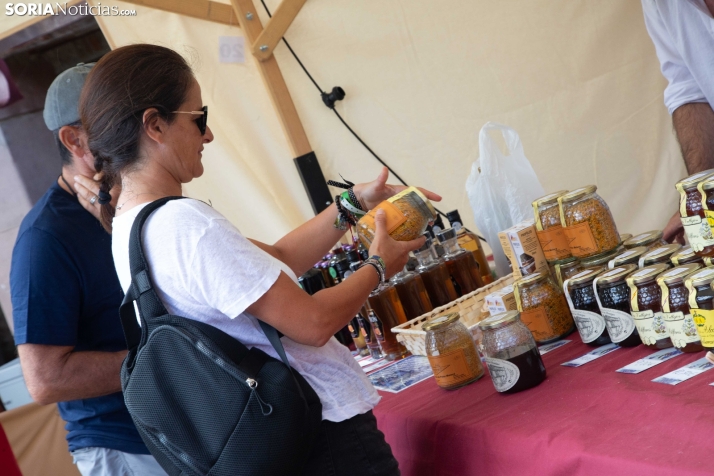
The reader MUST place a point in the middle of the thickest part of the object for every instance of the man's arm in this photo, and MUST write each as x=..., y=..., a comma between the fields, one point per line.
x=55, y=373
x=694, y=125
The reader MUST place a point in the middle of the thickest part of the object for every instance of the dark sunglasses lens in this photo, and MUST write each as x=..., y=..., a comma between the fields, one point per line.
x=203, y=120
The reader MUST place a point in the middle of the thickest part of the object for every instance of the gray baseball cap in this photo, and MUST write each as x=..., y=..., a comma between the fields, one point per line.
x=62, y=101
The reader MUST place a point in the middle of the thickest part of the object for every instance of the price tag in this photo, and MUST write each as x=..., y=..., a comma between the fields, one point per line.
x=544, y=349
x=231, y=49
x=686, y=372
x=592, y=355
x=650, y=361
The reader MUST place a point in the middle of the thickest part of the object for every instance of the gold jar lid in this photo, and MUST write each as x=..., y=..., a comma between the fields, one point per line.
x=701, y=277
x=643, y=239
x=586, y=276
x=419, y=194
x=499, y=320
x=647, y=274
x=440, y=321
x=708, y=184
x=625, y=236
x=531, y=278
x=694, y=179
x=678, y=274
x=565, y=262
x=657, y=254
x=629, y=256
x=577, y=193
x=617, y=274
x=601, y=259
x=550, y=198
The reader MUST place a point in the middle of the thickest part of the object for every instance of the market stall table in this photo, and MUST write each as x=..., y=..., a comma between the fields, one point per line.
x=586, y=420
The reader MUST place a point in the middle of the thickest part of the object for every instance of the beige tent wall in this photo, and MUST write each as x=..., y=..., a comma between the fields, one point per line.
x=578, y=80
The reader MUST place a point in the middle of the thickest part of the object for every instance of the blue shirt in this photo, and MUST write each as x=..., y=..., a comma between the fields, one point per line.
x=65, y=292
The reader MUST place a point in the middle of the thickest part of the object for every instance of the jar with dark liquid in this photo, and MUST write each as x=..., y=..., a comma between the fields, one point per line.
x=701, y=304
x=412, y=293
x=543, y=308
x=675, y=304
x=470, y=242
x=630, y=256
x=510, y=353
x=691, y=211
x=461, y=264
x=435, y=275
x=685, y=256
x=663, y=254
x=586, y=312
x=613, y=295
x=565, y=269
x=646, y=306
x=602, y=260
x=387, y=313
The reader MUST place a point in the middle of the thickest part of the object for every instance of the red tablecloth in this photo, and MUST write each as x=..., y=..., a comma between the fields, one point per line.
x=588, y=420
x=8, y=464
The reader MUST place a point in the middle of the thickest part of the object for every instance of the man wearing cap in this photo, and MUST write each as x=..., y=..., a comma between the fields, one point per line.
x=66, y=297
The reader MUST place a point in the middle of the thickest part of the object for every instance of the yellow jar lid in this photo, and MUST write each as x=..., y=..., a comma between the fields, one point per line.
x=440, y=321
x=585, y=276
x=499, y=320
x=531, y=278
x=659, y=253
x=625, y=236
x=692, y=181
x=677, y=275
x=629, y=256
x=418, y=193
x=648, y=273
x=701, y=277
x=577, y=193
x=617, y=274
x=643, y=239
x=684, y=254
x=602, y=258
x=550, y=198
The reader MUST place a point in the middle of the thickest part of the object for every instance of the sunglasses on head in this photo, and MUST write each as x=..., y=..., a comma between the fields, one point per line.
x=201, y=121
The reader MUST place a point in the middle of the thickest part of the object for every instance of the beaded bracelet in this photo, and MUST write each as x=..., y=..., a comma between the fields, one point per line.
x=377, y=263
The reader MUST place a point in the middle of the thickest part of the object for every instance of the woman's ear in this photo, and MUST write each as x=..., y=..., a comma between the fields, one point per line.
x=154, y=125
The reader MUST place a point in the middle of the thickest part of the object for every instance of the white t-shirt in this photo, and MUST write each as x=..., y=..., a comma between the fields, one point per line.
x=683, y=34
x=203, y=268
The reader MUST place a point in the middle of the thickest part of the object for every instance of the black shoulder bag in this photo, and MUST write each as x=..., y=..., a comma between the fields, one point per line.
x=203, y=402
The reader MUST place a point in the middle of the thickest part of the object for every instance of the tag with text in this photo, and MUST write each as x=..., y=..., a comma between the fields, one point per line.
x=686, y=372
x=650, y=361
x=592, y=355
x=544, y=349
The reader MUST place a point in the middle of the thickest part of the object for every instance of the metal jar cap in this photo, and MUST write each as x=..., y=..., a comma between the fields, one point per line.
x=499, y=320
x=447, y=234
x=440, y=321
x=692, y=181
x=625, y=236
x=586, y=276
x=550, y=198
x=659, y=253
x=701, y=277
x=643, y=239
x=600, y=259
x=677, y=275
x=578, y=193
x=617, y=274
x=647, y=274
x=685, y=254
x=708, y=184
x=531, y=278
x=629, y=256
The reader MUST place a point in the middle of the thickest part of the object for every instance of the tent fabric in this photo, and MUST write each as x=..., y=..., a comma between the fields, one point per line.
x=578, y=80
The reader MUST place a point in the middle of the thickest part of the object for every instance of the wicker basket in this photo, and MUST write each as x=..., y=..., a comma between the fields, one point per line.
x=471, y=308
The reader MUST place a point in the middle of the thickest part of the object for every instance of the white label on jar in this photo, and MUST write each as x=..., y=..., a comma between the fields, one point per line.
x=650, y=325
x=503, y=373
x=698, y=232
x=590, y=324
x=681, y=328
x=620, y=325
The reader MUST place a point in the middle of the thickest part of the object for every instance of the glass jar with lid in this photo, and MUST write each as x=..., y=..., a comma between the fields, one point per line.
x=650, y=240
x=435, y=275
x=646, y=305
x=691, y=211
x=601, y=260
x=631, y=256
x=625, y=236
x=685, y=255
x=583, y=304
x=510, y=353
x=407, y=214
x=543, y=307
x=386, y=312
x=613, y=296
x=412, y=293
x=549, y=228
x=675, y=305
x=451, y=352
x=663, y=255
x=587, y=222
x=564, y=269
x=701, y=304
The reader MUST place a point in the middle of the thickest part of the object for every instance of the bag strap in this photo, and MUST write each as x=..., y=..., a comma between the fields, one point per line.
x=150, y=306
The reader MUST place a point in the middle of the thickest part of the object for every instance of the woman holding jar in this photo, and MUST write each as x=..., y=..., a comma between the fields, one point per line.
x=146, y=126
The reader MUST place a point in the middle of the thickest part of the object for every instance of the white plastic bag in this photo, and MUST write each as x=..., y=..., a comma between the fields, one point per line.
x=501, y=188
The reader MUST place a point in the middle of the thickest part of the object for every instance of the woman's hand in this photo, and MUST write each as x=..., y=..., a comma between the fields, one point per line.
x=372, y=193
x=394, y=253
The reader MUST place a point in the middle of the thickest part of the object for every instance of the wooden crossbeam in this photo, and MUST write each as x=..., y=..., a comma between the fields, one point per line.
x=276, y=27
x=202, y=9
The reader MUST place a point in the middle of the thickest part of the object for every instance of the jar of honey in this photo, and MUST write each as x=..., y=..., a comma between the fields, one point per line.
x=613, y=298
x=686, y=255
x=675, y=305
x=462, y=265
x=542, y=307
x=583, y=304
x=602, y=260
x=587, y=223
x=691, y=210
x=701, y=304
x=451, y=352
x=549, y=229
x=510, y=353
x=646, y=306
x=650, y=240
x=408, y=213
x=631, y=256
x=564, y=269
x=663, y=254
x=386, y=312
x=435, y=275
x=412, y=293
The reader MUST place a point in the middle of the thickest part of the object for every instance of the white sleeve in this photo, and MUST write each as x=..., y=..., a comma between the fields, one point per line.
x=227, y=271
x=682, y=88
